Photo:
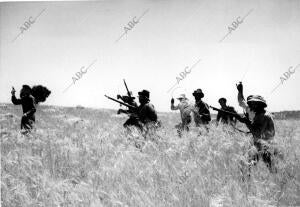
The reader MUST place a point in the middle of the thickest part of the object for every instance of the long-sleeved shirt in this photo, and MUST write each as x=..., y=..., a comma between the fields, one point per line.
x=28, y=105
x=147, y=113
x=226, y=118
x=262, y=126
x=201, y=113
x=244, y=105
x=185, y=109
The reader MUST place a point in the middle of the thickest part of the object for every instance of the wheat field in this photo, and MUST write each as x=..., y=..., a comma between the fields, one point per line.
x=84, y=157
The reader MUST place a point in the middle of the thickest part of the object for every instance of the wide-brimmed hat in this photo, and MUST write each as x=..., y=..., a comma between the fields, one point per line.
x=144, y=93
x=257, y=98
x=198, y=92
x=182, y=96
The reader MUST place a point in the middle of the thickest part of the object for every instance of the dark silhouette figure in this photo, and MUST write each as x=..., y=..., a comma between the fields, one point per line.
x=146, y=111
x=201, y=110
x=226, y=118
x=28, y=105
x=29, y=98
x=133, y=117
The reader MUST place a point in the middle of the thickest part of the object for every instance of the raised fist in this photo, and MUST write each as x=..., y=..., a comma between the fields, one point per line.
x=13, y=91
x=239, y=87
x=172, y=101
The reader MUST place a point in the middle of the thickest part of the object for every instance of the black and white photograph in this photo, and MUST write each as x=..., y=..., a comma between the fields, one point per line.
x=133, y=103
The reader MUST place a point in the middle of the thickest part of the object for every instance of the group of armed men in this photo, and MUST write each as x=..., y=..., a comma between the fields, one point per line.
x=259, y=122
x=144, y=116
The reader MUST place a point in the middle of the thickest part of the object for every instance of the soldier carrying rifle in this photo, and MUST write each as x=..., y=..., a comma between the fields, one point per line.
x=132, y=121
x=144, y=116
x=226, y=118
x=129, y=99
x=261, y=126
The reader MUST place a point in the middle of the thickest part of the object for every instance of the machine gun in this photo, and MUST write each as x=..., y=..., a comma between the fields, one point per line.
x=129, y=98
x=131, y=107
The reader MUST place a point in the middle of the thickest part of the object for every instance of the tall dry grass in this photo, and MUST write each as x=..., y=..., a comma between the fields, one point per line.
x=85, y=158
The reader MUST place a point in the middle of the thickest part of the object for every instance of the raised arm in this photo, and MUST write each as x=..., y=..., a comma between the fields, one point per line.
x=14, y=100
x=173, y=107
x=240, y=97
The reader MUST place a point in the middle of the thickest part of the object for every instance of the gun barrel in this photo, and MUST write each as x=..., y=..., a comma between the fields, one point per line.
x=120, y=102
x=226, y=112
x=128, y=93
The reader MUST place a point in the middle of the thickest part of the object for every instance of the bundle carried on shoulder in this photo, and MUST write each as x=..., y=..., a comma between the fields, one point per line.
x=40, y=93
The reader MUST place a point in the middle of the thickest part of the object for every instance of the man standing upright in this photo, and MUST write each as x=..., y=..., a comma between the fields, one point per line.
x=201, y=110
x=185, y=109
x=28, y=105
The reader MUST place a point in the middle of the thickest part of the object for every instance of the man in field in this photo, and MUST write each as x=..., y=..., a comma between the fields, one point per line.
x=201, y=110
x=224, y=117
x=146, y=111
x=261, y=126
x=29, y=98
x=133, y=118
x=185, y=109
x=28, y=105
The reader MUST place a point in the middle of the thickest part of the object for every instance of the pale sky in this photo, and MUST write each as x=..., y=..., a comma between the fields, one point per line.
x=171, y=36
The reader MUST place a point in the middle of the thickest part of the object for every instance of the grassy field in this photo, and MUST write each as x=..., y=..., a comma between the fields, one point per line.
x=84, y=157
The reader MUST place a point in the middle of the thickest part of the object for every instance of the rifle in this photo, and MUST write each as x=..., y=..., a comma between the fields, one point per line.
x=128, y=92
x=244, y=120
x=122, y=103
x=235, y=115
